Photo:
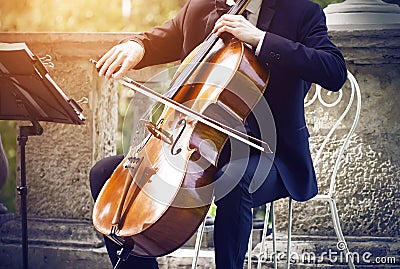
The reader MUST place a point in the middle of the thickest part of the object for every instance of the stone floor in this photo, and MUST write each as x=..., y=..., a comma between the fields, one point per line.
x=62, y=244
x=68, y=258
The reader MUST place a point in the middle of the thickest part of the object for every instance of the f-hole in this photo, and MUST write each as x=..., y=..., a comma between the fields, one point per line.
x=177, y=151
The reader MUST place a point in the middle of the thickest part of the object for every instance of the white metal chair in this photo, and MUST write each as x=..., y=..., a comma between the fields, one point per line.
x=354, y=100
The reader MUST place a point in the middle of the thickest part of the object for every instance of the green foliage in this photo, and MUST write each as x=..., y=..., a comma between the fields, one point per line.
x=9, y=139
x=325, y=3
x=212, y=211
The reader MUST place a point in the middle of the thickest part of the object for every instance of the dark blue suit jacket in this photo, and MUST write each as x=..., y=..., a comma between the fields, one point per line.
x=298, y=52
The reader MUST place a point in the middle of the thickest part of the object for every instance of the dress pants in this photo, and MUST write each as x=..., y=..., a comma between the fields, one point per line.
x=233, y=220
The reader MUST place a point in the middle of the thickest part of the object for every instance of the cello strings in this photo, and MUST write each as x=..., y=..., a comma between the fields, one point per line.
x=192, y=113
x=197, y=59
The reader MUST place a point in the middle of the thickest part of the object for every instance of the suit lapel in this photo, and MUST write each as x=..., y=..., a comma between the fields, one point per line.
x=267, y=13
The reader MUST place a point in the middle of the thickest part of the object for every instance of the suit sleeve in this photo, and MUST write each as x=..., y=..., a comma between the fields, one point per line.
x=164, y=43
x=314, y=58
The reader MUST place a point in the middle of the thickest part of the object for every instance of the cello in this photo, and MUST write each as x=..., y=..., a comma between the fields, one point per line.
x=160, y=193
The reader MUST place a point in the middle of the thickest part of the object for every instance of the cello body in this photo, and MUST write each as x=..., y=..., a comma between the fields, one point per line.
x=161, y=192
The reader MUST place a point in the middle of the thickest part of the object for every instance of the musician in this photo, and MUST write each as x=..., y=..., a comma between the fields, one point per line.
x=290, y=38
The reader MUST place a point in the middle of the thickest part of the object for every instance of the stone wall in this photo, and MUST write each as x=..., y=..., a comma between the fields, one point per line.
x=367, y=190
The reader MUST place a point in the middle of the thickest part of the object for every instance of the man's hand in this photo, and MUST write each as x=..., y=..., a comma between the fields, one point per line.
x=238, y=26
x=123, y=56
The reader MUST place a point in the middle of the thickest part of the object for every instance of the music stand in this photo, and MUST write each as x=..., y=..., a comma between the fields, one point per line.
x=28, y=93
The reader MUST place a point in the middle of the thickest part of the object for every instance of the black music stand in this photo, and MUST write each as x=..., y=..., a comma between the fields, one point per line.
x=28, y=93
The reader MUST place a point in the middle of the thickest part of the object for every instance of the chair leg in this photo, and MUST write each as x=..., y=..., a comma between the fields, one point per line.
x=289, y=240
x=342, y=245
x=274, y=253
x=197, y=245
x=264, y=235
x=250, y=243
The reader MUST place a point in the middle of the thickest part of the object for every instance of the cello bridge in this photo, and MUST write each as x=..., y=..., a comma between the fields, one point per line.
x=159, y=132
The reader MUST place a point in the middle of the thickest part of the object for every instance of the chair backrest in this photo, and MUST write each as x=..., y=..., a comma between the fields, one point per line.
x=336, y=100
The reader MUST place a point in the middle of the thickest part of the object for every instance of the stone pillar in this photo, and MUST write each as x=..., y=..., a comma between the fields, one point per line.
x=367, y=190
x=362, y=15
x=60, y=231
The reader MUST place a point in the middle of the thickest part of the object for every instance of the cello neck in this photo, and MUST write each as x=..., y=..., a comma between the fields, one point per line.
x=208, y=44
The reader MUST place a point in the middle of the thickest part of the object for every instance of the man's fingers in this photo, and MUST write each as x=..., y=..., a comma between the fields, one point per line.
x=103, y=59
x=126, y=65
x=226, y=29
x=115, y=65
x=232, y=21
x=106, y=65
x=227, y=26
x=121, y=58
x=105, y=56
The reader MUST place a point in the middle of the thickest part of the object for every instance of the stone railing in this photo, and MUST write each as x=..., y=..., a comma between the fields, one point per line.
x=58, y=162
